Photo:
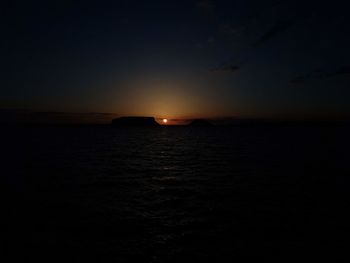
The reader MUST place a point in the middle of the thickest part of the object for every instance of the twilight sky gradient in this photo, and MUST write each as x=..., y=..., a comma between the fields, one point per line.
x=177, y=59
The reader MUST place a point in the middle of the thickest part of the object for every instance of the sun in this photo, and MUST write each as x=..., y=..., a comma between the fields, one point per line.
x=165, y=120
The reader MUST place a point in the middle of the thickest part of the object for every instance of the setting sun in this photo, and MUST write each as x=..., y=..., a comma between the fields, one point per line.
x=165, y=120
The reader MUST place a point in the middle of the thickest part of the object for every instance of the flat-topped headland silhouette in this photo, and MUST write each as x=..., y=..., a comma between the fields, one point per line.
x=135, y=122
x=200, y=123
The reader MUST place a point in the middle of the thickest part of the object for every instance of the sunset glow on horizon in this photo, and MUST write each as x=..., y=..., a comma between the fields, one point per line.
x=140, y=59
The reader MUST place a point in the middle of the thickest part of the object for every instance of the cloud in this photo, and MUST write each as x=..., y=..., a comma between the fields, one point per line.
x=226, y=69
x=320, y=74
x=254, y=22
x=298, y=80
x=232, y=30
x=283, y=14
x=278, y=29
x=316, y=74
x=232, y=65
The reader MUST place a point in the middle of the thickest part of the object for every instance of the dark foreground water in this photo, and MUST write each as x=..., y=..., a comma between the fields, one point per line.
x=175, y=194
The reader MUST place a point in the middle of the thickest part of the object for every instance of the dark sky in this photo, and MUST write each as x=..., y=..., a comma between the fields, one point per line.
x=177, y=59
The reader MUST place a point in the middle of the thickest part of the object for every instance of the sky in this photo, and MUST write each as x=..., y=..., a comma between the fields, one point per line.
x=177, y=59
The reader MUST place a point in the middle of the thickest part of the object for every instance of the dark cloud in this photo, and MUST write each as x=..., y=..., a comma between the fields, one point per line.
x=233, y=64
x=227, y=69
x=316, y=74
x=320, y=74
x=278, y=29
x=261, y=17
x=298, y=80
x=232, y=30
x=291, y=13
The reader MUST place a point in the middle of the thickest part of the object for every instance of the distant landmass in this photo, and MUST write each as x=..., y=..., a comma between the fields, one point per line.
x=200, y=123
x=134, y=122
x=23, y=117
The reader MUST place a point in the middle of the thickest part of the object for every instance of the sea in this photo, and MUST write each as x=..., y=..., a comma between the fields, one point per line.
x=175, y=194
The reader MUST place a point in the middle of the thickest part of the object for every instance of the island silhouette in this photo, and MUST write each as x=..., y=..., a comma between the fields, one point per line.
x=135, y=121
x=144, y=121
x=70, y=119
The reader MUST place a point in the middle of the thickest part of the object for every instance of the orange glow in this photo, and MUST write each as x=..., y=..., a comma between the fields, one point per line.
x=175, y=98
x=165, y=121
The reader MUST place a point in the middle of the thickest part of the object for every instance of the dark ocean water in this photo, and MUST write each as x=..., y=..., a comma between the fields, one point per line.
x=173, y=194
